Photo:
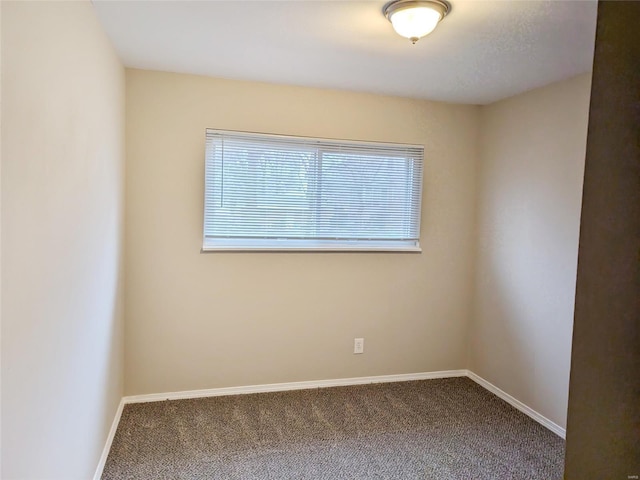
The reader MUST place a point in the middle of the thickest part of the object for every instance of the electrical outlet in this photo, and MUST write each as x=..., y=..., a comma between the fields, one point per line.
x=358, y=345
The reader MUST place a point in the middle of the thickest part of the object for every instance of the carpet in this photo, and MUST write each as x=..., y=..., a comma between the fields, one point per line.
x=441, y=429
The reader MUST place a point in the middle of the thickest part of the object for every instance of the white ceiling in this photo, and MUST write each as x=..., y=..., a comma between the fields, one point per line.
x=481, y=52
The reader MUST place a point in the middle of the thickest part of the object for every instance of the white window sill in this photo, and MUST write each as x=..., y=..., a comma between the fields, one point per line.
x=354, y=249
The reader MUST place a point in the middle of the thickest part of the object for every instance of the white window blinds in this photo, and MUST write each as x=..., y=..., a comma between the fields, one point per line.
x=275, y=192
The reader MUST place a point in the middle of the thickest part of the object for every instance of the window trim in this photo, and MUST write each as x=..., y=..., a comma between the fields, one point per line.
x=307, y=245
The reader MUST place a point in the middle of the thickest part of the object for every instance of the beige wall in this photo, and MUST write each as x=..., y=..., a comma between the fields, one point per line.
x=62, y=225
x=222, y=319
x=0, y=240
x=532, y=161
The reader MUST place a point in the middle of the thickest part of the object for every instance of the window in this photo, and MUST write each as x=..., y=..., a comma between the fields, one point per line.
x=273, y=192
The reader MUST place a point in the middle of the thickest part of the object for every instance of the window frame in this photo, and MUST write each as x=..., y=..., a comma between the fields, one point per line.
x=317, y=245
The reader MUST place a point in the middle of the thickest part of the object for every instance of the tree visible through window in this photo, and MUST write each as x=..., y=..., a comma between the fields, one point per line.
x=277, y=192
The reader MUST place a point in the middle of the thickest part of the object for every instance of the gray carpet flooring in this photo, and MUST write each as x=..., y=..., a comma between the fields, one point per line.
x=442, y=429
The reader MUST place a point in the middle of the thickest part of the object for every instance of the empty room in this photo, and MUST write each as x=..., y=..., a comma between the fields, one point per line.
x=319, y=240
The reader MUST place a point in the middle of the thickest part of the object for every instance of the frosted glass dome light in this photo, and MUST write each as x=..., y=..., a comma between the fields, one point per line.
x=414, y=19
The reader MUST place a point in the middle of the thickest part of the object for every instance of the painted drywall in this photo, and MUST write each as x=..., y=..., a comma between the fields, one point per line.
x=211, y=320
x=62, y=239
x=0, y=238
x=532, y=152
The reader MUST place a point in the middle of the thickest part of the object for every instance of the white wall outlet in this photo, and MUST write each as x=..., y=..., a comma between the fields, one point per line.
x=358, y=345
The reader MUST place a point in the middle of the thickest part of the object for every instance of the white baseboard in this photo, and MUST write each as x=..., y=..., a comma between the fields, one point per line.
x=541, y=419
x=107, y=445
x=281, y=387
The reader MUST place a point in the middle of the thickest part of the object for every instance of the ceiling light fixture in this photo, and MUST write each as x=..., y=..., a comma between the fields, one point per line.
x=414, y=19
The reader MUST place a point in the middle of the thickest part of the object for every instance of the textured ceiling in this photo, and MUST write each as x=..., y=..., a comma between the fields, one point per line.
x=482, y=51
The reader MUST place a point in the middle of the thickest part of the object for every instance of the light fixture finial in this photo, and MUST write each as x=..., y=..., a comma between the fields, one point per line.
x=414, y=19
